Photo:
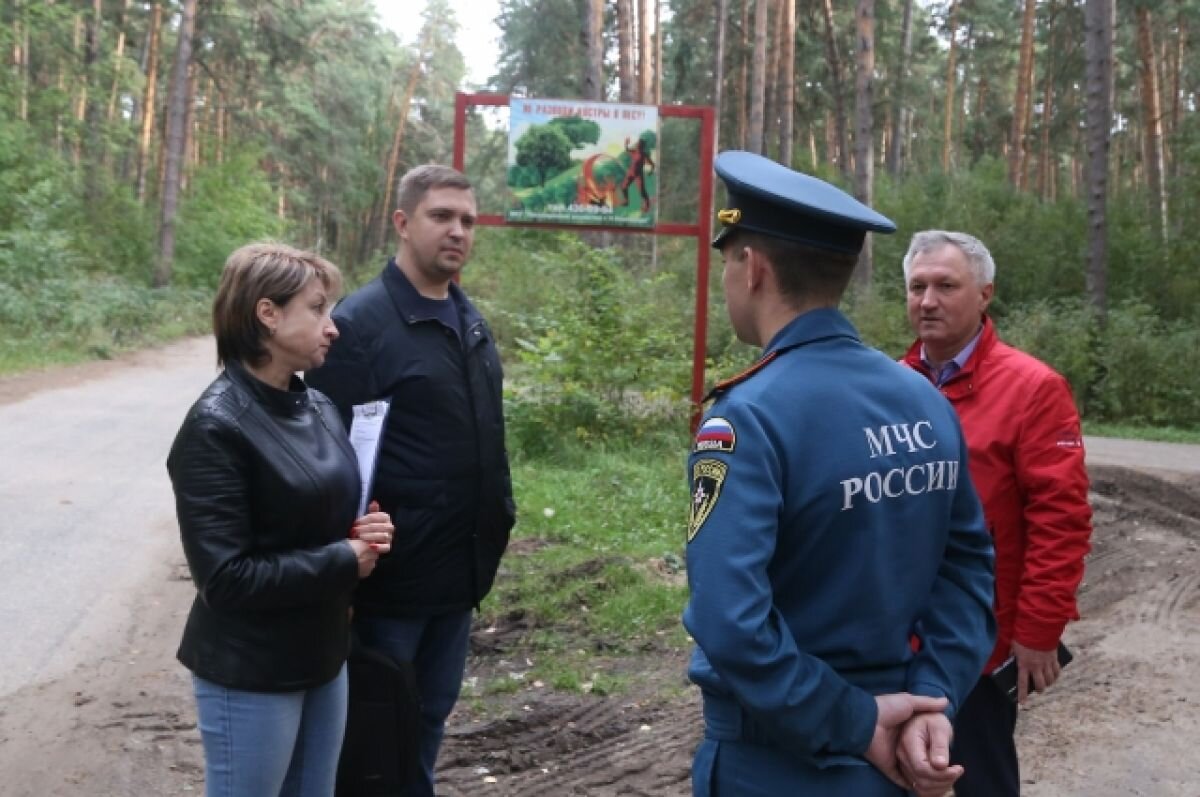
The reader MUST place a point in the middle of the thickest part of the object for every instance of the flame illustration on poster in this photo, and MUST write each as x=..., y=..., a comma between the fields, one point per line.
x=578, y=162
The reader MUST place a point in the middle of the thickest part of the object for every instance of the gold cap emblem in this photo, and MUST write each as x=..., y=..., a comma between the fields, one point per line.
x=729, y=216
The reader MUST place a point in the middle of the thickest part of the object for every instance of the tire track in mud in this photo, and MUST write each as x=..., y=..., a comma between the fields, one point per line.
x=1168, y=601
x=1121, y=720
x=564, y=746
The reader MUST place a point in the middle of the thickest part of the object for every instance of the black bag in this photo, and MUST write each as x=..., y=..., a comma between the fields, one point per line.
x=381, y=751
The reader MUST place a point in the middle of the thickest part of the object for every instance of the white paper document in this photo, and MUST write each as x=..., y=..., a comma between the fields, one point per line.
x=366, y=432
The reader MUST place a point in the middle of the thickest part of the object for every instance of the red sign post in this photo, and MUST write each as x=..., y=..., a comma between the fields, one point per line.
x=701, y=229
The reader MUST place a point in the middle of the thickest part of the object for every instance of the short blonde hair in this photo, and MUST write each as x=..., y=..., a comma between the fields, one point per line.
x=261, y=271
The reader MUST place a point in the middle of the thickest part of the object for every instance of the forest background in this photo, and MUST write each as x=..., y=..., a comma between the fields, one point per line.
x=142, y=141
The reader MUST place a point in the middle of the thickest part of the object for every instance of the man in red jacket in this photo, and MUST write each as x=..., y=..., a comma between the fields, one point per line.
x=1026, y=460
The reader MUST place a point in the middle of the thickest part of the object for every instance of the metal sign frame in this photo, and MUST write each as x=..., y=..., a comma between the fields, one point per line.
x=701, y=229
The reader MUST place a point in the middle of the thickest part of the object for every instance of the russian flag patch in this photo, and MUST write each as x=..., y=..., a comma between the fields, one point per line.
x=715, y=434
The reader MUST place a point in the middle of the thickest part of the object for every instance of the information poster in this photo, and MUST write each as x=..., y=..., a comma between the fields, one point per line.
x=577, y=162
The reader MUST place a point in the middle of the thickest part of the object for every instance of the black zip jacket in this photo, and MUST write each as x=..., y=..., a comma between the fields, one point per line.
x=442, y=472
x=266, y=489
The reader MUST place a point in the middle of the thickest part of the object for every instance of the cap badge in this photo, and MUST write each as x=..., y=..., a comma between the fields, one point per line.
x=729, y=216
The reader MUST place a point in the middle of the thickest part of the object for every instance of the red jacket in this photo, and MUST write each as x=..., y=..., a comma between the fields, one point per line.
x=1026, y=459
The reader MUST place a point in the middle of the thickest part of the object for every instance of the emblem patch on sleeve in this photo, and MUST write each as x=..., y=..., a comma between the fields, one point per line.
x=715, y=435
x=707, y=477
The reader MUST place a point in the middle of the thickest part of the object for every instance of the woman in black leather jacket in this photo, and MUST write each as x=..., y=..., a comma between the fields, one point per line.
x=266, y=492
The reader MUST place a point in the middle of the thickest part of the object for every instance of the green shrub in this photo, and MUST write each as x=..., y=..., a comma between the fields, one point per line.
x=1061, y=333
x=1146, y=373
x=596, y=353
x=228, y=205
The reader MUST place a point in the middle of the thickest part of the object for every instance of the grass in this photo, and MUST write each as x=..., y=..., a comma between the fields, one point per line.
x=594, y=570
x=1164, y=434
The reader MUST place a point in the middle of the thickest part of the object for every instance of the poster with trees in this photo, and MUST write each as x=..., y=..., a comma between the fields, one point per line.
x=582, y=162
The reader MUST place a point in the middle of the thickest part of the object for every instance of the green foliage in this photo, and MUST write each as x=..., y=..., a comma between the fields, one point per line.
x=541, y=51
x=37, y=201
x=546, y=149
x=1146, y=374
x=879, y=315
x=115, y=235
x=597, y=358
x=67, y=319
x=580, y=131
x=1062, y=333
x=1037, y=246
x=228, y=206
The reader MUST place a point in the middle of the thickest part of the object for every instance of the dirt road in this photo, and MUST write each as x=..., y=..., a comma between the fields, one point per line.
x=93, y=593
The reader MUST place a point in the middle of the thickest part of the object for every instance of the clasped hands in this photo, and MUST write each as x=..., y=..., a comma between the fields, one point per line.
x=911, y=745
x=370, y=536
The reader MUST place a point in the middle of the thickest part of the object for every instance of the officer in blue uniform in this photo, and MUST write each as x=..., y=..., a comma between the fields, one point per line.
x=833, y=528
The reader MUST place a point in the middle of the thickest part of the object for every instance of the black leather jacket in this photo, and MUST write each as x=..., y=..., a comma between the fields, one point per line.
x=266, y=490
x=442, y=472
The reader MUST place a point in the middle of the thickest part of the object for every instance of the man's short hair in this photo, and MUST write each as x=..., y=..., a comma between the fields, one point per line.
x=802, y=271
x=421, y=179
x=978, y=256
x=261, y=271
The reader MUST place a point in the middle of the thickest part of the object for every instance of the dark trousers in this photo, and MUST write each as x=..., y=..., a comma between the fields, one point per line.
x=437, y=647
x=984, y=744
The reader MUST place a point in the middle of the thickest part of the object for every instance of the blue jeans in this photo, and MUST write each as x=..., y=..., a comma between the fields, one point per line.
x=263, y=744
x=437, y=647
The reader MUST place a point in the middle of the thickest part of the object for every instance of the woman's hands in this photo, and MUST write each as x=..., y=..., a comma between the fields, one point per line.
x=370, y=536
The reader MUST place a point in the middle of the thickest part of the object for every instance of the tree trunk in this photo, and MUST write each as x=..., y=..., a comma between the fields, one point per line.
x=148, y=101
x=839, y=95
x=787, y=85
x=1098, y=34
x=176, y=112
x=771, y=86
x=895, y=155
x=593, y=32
x=1177, y=81
x=1152, y=124
x=978, y=144
x=222, y=119
x=719, y=72
x=758, y=82
x=80, y=109
x=190, y=137
x=625, y=51
x=21, y=59
x=951, y=80
x=1044, y=179
x=389, y=204
x=1020, y=117
x=744, y=78
x=645, y=60
x=864, y=127
x=965, y=51
x=118, y=62
x=93, y=136
x=658, y=55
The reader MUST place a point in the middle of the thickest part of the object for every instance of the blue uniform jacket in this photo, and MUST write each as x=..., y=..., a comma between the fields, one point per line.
x=832, y=519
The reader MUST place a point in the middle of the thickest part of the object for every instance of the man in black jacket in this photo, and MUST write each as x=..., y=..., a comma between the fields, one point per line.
x=412, y=337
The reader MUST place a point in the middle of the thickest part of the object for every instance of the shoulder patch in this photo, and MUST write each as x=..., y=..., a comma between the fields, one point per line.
x=707, y=477
x=715, y=434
